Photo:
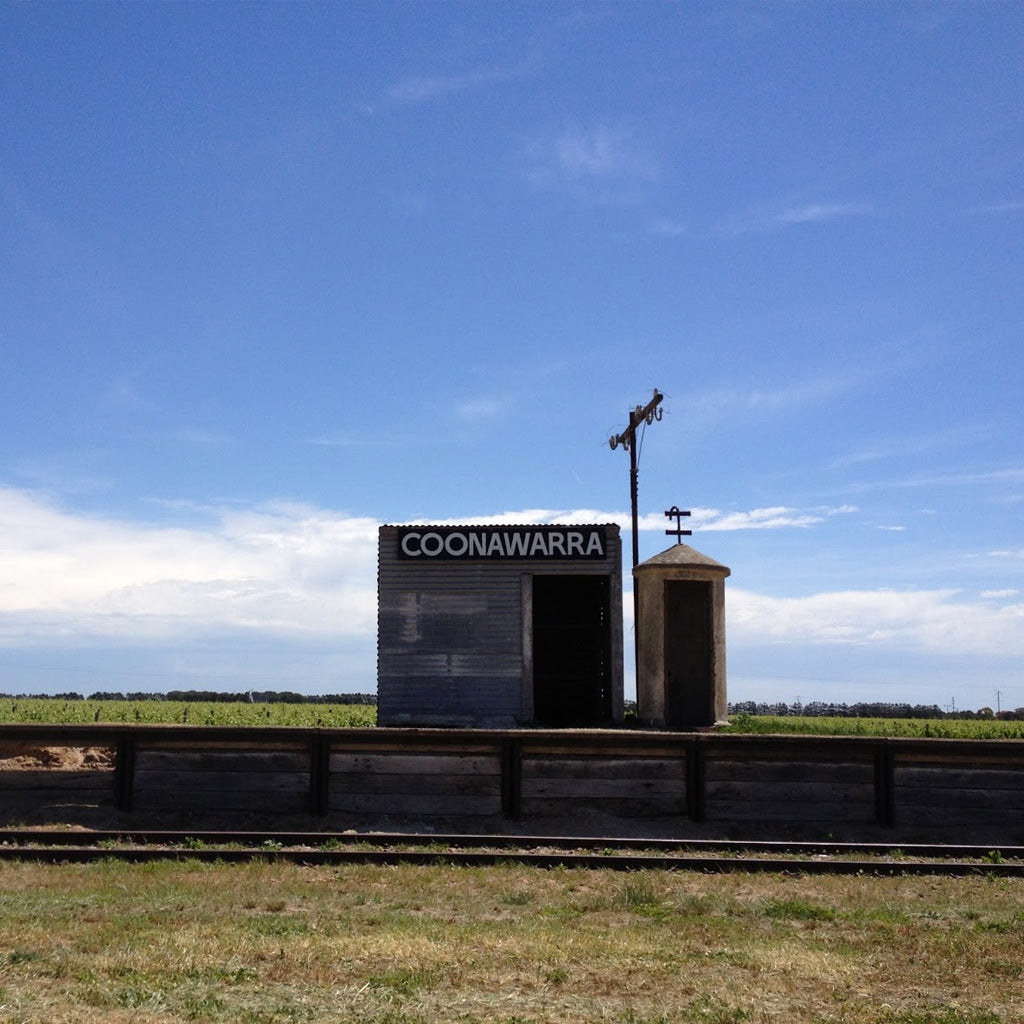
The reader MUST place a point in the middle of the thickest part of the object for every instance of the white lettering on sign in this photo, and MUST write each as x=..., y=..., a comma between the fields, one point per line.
x=493, y=542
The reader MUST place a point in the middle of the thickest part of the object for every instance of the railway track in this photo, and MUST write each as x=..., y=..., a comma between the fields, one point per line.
x=710, y=856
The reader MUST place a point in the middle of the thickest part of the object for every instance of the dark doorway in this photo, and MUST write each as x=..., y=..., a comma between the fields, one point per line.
x=572, y=673
x=689, y=680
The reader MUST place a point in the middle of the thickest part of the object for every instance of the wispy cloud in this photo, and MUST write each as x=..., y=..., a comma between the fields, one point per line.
x=600, y=163
x=815, y=213
x=776, y=517
x=705, y=519
x=1013, y=206
x=477, y=410
x=886, y=448
x=199, y=436
x=667, y=228
x=426, y=88
x=1012, y=475
x=725, y=404
x=367, y=439
x=762, y=219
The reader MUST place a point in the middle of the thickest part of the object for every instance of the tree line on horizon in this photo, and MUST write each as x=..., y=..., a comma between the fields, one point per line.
x=875, y=709
x=207, y=697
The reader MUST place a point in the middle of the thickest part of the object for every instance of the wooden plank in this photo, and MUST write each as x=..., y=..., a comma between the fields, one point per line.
x=597, y=750
x=226, y=802
x=148, y=782
x=618, y=768
x=602, y=789
x=960, y=778
x=415, y=764
x=416, y=806
x=57, y=781
x=631, y=808
x=256, y=762
x=386, y=744
x=489, y=785
x=843, y=811
x=999, y=802
x=790, y=793
x=788, y=771
x=251, y=744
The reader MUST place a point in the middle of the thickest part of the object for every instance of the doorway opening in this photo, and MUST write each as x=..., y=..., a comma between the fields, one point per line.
x=572, y=650
x=689, y=664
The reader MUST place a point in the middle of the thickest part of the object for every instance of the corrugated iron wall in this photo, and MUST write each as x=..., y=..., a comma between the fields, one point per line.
x=454, y=637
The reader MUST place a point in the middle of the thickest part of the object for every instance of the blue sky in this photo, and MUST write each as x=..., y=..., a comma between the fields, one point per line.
x=275, y=274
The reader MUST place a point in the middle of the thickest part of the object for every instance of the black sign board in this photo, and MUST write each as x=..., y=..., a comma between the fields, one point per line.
x=483, y=543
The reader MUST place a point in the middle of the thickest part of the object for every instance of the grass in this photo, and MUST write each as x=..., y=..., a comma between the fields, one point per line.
x=941, y=728
x=14, y=710
x=24, y=710
x=268, y=943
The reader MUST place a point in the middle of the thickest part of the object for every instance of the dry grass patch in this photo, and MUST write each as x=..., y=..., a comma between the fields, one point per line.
x=270, y=943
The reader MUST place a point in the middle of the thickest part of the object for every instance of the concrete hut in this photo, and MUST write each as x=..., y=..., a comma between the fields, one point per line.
x=681, y=639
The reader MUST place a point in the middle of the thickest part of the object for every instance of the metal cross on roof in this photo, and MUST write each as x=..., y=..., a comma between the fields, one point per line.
x=679, y=533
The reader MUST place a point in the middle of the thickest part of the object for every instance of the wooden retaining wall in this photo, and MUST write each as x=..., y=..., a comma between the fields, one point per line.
x=597, y=782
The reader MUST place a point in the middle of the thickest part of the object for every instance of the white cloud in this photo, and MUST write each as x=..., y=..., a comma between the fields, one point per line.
x=762, y=219
x=817, y=212
x=602, y=151
x=286, y=573
x=601, y=163
x=475, y=410
x=287, y=569
x=936, y=621
x=1013, y=206
x=726, y=404
x=425, y=88
x=667, y=228
x=704, y=519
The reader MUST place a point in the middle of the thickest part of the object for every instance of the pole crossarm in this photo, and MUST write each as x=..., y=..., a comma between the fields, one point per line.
x=641, y=414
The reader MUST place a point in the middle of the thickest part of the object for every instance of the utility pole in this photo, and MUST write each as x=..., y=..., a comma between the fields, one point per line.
x=641, y=414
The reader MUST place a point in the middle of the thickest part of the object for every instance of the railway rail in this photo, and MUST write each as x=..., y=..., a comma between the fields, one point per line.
x=702, y=855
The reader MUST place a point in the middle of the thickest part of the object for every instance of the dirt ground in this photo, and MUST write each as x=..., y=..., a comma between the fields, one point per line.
x=27, y=756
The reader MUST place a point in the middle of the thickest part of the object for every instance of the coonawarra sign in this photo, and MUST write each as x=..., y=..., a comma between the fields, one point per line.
x=500, y=542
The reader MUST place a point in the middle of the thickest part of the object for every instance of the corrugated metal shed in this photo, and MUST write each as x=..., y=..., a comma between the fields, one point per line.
x=456, y=626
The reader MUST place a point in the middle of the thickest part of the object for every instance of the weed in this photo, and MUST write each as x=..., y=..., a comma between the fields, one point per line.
x=942, y=1015
x=710, y=1010
x=404, y=981
x=639, y=892
x=555, y=975
x=797, y=910
x=516, y=897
